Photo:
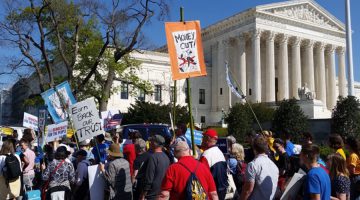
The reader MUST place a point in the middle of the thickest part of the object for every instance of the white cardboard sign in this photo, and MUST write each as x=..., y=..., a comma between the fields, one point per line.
x=86, y=119
x=96, y=183
x=55, y=131
x=30, y=121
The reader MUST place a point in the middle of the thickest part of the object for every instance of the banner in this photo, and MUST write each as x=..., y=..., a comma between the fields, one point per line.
x=110, y=119
x=30, y=121
x=86, y=119
x=185, y=49
x=198, y=135
x=222, y=144
x=57, y=110
x=96, y=182
x=56, y=131
x=231, y=85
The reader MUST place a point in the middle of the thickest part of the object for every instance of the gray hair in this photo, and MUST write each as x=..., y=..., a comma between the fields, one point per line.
x=140, y=145
x=238, y=151
x=231, y=139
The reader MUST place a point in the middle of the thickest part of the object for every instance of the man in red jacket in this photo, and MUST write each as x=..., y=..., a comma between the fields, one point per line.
x=177, y=175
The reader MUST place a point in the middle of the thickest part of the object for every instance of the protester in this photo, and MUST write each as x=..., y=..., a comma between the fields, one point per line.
x=339, y=176
x=140, y=165
x=175, y=181
x=271, y=151
x=180, y=134
x=156, y=168
x=59, y=176
x=214, y=159
x=261, y=174
x=100, y=148
x=306, y=138
x=29, y=135
x=81, y=190
x=230, y=141
x=249, y=152
x=129, y=150
x=353, y=164
x=317, y=182
x=9, y=189
x=49, y=154
x=238, y=173
x=28, y=158
x=289, y=146
x=117, y=174
x=336, y=143
x=85, y=145
x=283, y=163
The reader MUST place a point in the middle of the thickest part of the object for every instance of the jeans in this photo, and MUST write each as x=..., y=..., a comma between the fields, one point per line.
x=28, y=180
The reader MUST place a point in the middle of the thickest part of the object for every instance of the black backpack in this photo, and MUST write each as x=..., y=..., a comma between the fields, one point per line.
x=194, y=189
x=12, y=169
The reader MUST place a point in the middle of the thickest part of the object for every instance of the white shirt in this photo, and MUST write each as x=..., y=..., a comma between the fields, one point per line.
x=265, y=174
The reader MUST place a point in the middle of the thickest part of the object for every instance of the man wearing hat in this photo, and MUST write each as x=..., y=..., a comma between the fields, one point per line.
x=156, y=168
x=117, y=174
x=85, y=145
x=214, y=159
x=175, y=181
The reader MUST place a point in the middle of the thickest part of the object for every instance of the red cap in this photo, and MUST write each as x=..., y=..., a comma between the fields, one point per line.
x=211, y=133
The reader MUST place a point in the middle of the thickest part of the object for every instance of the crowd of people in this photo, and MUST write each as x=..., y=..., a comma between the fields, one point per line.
x=168, y=168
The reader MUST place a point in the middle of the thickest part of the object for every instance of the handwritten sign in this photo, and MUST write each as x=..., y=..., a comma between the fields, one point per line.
x=86, y=119
x=96, y=183
x=30, y=121
x=55, y=131
x=185, y=49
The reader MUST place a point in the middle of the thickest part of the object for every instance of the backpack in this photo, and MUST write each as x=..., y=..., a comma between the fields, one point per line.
x=12, y=167
x=194, y=189
x=239, y=177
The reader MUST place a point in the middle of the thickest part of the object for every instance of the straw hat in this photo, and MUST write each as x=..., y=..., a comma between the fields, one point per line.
x=114, y=151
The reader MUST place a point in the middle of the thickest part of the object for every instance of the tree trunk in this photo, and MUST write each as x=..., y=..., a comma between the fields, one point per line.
x=105, y=95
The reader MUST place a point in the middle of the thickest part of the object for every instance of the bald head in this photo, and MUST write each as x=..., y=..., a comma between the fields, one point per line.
x=181, y=148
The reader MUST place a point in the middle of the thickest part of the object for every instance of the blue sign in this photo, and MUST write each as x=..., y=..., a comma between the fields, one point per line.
x=58, y=109
x=198, y=135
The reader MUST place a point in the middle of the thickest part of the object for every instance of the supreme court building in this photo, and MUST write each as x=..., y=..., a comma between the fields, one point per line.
x=273, y=51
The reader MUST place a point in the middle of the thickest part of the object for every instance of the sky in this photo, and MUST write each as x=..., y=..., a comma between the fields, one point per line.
x=212, y=11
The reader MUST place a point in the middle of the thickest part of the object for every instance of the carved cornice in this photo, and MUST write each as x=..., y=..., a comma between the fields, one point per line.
x=340, y=50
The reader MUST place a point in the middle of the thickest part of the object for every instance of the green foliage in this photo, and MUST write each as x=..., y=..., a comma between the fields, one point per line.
x=325, y=151
x=240, y=118
x=289, y=117
x=346, y=117
x=146, y=112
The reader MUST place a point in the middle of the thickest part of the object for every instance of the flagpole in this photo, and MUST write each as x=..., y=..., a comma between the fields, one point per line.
x=244, y=97
x=349, y=49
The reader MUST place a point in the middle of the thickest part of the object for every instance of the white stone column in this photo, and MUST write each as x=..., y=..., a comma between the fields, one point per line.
x=256, y=79
x=241, y=76
x=270, y=67
x=296, y=67
x=309, y=79
x=214, y=77
x=283, y=77
x=321, y=72
x=341, y=72
x=331, y=89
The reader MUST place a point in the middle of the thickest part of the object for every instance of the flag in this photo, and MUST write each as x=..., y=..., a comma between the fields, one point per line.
x=112, y=121
x=230, y=83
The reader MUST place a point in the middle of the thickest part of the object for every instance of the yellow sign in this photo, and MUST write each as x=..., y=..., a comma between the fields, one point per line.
x=7, y=131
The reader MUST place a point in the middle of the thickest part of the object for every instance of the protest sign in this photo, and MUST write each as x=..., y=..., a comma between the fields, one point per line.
x=110, y=119
x=294, y=186
x=30, y=121
x=222, y=144
x=96, y=183
x=42, y=120
x=58, y=107
x=185, y=49
x=198, y=135
x=86, y=119
x=56, y=131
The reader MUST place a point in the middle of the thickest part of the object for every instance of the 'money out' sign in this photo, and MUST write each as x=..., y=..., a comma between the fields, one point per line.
x=86, y=119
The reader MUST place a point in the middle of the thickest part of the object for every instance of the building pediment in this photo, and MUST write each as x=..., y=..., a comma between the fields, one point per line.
x=303, y=11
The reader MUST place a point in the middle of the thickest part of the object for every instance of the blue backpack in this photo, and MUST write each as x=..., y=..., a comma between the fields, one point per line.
x=194, y=189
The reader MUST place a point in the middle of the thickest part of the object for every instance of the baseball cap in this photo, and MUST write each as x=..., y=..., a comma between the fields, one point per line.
x=211, y=133
x=160, y=140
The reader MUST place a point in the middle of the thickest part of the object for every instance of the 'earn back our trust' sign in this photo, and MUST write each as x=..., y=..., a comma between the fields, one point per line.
x=86, y=119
